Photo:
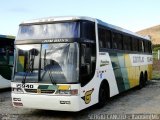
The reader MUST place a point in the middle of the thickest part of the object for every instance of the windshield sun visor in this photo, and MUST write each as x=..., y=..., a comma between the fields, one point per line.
x=49, y=31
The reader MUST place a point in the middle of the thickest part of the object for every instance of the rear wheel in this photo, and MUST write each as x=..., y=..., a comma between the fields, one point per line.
x=141, y=81
x=145, y=78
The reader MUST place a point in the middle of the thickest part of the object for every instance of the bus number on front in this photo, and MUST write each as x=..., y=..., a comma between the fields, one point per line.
x=24, y=86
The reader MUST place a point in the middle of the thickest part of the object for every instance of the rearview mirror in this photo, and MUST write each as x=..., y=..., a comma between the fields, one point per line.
x=34, y=52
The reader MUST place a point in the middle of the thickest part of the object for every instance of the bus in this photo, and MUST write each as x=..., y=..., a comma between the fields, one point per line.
x=71, y=63
x=6, y=60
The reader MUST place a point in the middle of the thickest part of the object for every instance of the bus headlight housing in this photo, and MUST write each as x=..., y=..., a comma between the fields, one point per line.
x=67, y=92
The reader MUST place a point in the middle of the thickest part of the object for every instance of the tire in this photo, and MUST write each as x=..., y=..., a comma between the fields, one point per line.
x=141, y=81
x=103, y=96
x=145, y=78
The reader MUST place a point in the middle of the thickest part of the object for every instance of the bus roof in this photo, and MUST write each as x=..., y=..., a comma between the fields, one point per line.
x=7, y=37
x=54, y=19
x=122, y=29
x=70, y=18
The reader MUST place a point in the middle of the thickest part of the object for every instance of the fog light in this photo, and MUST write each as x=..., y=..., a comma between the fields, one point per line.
x=67, y=92
x=18, y=104
x=64, y=92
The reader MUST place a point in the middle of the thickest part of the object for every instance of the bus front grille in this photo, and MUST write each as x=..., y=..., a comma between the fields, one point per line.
x=39, y=91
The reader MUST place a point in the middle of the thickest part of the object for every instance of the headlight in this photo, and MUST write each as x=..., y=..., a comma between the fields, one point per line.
x=67, y=92
x=64, y=92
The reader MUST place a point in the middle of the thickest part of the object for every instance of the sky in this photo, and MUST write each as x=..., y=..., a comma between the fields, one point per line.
x=133, y=15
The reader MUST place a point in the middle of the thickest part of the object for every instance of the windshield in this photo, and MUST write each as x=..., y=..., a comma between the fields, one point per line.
x=27, y=62
x=47, y=63
x=49, y=31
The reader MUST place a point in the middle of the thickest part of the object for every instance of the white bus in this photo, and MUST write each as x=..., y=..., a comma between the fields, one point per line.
x=6, y=60
x=71, y=63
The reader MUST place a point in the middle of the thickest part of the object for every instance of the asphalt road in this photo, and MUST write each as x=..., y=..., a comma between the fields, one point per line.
x=132, y=104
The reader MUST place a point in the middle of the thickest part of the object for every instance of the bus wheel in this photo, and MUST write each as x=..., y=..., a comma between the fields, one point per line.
x=145, y=78
x=103, y=95
x=141, y=81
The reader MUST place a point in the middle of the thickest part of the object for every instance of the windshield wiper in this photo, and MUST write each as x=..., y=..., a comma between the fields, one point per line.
x=29, y=70
x=32, y=54
x=26, y=69
x=49, y=69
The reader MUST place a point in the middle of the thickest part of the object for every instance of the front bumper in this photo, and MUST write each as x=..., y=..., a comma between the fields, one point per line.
x=48, y=102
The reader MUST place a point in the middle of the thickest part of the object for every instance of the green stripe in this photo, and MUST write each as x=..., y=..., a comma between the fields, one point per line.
x=47, y=87
x=120, y=70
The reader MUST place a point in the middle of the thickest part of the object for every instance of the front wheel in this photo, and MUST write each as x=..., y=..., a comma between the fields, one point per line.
x=103, y=96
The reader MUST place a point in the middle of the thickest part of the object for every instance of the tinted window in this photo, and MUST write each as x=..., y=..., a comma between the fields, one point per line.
x=88, y=30
x=146, y=46
x=150, y=47
x=127, y=43
x=6, y=51
x=117, y=41
x=108, y=38
x=104, y=37
x=101, y=37
x=135, y=44
x=87, y=62
x=48, y=31
x=140, y=45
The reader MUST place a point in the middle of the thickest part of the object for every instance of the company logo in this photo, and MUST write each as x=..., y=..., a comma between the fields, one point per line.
x=138, y=59
x=149, y=59
x=104, y=62
x=55, y=40
x=87, y=96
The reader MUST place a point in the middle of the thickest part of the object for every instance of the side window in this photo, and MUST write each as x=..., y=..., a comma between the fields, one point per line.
x=145, y=46
x=150, y=47
x=88, y=62
x=101, y=37
x=135, y=44
x=140, y=44
x=88, y=30
x=6, y=52
x=115, y=45
x=3, y=57
x=119, y=41
x=108, y=38
x=131, y=46
x=127, y=43
x=104, y=37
